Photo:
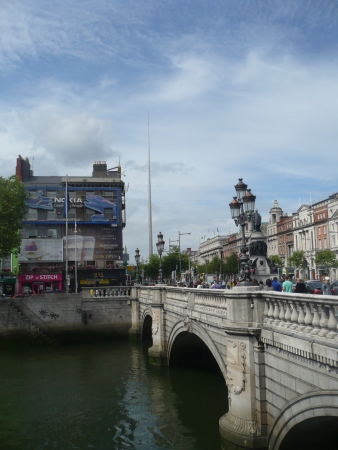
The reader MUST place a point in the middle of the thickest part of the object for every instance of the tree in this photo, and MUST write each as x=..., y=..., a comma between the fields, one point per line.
x=231, y=264
x=298, y=259
x=12, y=210
x=152, y=268
x=326, y=258
x=171, y=261
x=276, y=260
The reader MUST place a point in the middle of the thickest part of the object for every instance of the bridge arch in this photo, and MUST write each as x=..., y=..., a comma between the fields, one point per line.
x=198, y=330
x=146, y=324
x=319, y=404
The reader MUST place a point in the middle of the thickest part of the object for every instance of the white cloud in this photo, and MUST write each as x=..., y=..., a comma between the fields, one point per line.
x=232, y=91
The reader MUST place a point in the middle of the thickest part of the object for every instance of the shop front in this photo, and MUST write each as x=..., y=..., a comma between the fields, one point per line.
x=100, y=278
x=38, y=283
x=7, y=285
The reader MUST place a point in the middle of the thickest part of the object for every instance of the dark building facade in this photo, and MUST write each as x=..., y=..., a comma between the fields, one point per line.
x=72, y=232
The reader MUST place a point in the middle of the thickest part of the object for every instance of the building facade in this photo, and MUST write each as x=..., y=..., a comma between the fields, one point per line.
x=72, y=232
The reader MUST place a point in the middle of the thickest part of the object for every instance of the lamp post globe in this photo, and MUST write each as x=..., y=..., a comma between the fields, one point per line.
x=242, y=208
x=137, y=259
x=160, y=247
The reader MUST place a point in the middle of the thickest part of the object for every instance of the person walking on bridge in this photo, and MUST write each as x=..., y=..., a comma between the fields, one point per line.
x=276, y=284
x=287, y=285
x=326, y=288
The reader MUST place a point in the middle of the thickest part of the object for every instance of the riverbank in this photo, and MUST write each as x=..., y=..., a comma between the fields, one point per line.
x=63, y=317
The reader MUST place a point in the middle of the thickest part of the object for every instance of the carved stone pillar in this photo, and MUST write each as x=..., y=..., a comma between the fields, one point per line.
x=241, y=425
x=135, y=330
x=158, y=352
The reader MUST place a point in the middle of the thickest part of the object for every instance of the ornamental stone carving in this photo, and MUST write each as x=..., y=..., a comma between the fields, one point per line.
x=235, y=378
x=188, y=324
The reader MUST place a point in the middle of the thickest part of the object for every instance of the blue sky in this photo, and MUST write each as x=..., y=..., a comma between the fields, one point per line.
x=233, y=89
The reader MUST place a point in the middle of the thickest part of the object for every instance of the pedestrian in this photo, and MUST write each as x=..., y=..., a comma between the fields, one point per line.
x=300, y=287
x=96, y=292
x=276, y=284
x=326, y=288
x=91, y=292
x=287, y=285
x=268, y=286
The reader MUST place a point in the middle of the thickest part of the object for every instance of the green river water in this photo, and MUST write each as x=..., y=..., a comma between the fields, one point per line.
x=105, y=396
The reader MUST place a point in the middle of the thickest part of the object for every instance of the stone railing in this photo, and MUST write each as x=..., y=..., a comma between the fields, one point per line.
x=309, y=315
x=213, y=301
x=105, y=292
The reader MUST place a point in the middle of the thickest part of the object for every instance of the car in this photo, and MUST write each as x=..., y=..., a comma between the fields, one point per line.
x=315, y=287
x=334, y=288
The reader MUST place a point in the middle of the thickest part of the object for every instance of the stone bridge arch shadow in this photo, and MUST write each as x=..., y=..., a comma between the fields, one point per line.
x=308, y=423
x=189, y=344
x=146, y=327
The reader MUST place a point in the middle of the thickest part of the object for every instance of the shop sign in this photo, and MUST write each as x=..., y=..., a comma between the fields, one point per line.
x=7, y=279
x=41, y=277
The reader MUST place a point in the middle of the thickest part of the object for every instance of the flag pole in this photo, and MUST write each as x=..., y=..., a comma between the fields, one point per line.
x=66, y=200
x=75, y=258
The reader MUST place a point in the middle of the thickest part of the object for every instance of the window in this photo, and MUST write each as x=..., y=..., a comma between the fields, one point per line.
x=51, y=215
x=32, y=214
x=32, y=233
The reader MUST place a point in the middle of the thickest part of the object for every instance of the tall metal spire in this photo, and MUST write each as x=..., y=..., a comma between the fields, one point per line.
x=150, y=220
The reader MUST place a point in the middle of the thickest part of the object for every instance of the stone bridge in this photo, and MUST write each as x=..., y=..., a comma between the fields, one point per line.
x=277, y=353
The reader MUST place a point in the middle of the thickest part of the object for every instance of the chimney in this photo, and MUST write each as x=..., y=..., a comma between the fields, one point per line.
x=23, y=168
x=99, y=169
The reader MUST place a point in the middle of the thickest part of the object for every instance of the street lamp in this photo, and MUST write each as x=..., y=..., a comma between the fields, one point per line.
x=242, y=208
x=137, y=259
x=160, y=247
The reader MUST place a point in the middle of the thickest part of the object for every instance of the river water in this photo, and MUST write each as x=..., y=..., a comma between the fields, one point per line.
x=105, y=396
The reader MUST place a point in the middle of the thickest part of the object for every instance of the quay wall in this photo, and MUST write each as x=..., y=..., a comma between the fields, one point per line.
x=62, y=315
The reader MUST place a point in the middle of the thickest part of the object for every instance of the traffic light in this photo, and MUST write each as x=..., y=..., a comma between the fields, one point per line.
x=195, y=271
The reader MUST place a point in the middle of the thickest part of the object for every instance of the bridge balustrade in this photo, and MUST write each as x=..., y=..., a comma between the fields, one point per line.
x=310, y=316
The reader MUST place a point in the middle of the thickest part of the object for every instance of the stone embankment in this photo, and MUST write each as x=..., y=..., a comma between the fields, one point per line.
x=63, y=317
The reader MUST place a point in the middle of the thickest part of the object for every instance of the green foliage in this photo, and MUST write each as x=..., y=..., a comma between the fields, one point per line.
x=12, y=210
x=151, y=269
x=326, y=258
x=231, y=264
x=298, y=259
x=170, y=262
x=276, y=260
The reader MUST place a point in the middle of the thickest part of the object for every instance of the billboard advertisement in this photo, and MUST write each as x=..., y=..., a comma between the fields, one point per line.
x=91, y=206
x=94, y=243
x=35, y=250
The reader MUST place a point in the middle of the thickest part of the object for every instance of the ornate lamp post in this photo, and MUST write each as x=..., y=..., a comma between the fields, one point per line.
x=137, y=259
x=160, y=247
x=242, y=208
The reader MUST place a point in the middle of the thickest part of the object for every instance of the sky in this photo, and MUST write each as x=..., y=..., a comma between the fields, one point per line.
x=230, y=89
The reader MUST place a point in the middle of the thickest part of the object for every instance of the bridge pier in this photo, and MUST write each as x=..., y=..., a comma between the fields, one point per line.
x=242, y=425
x=157, y=353
x=135, y=330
